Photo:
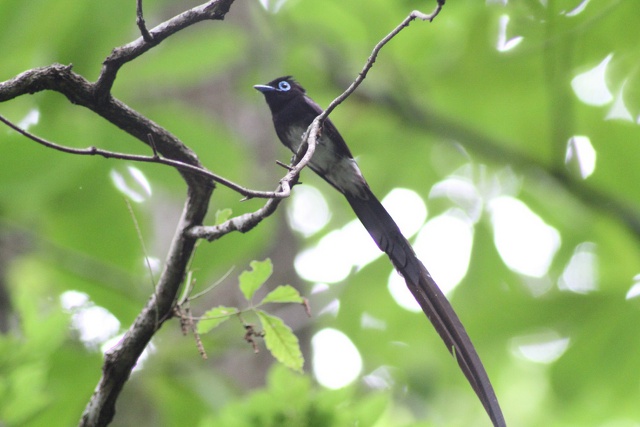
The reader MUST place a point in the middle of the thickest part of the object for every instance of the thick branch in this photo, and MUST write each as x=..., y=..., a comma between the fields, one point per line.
x=120, y=360
x=78, y=90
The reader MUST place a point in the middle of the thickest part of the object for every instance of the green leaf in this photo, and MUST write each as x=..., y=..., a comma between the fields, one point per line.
x=283, y=293
x=281, y=341
x=222, y=215
x=251, y=280
x=215, y=317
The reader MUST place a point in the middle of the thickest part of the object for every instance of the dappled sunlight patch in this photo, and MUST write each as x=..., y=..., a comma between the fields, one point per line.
x=444, y=244
x=95, y=325
x=544, y=347
x=329, y=261
x=619, y=109
x=30, y=119
x=319, y=288
x=581, y=273
x=133, y=184
x=380, y=378
x=634, y=291
x=524, y=241
x=401, y=294
x=407, y=209
x=538, y=286
x=357, y=246
x=336, y=360
x=272, y=6
x=332, y=308
x=308, y=211
x=581, y=155
x=591, y=86
x=596, y=86
x=504, y=43
x=350, y=247
x=153, y=265
x=578, y=9
x=368, y=321
x=461, y=191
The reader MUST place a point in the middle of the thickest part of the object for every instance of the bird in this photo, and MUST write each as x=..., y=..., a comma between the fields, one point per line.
x=292, y=112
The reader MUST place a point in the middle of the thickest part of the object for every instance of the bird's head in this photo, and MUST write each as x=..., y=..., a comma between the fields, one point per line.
x=280, y=91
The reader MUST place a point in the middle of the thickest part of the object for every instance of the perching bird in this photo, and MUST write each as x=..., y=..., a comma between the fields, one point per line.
x=293, y=111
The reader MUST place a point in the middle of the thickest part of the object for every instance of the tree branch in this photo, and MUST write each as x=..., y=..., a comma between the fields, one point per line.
x=121, y=359
x=376, y=50
x=241, y=223
x=141, y=24
x=78, y=90
x=214, y=10
x=94, y=151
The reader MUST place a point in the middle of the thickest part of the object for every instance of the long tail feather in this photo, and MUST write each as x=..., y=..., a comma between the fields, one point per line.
x=435, y=305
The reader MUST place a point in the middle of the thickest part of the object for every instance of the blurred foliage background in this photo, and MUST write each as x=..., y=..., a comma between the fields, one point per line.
x=533, y=105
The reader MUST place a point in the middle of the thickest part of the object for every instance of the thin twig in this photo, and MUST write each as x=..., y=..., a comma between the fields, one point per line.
x=152, y=144
x=141, y=24
x=374, y=55
x=282, y=164
x=212, y=286
x=94, y=151
x=147, y=259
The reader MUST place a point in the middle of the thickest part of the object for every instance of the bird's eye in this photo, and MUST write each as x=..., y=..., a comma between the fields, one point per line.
x=284, y=86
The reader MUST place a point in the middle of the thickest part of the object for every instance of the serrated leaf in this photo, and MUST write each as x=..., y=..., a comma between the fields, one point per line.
x=222, y=215
x=215, y=317
x=283, y=293
x=281, y=341
x=251, y=280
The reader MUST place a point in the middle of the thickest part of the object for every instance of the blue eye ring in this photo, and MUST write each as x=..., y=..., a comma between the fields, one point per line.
x=284, y=86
